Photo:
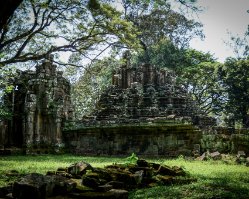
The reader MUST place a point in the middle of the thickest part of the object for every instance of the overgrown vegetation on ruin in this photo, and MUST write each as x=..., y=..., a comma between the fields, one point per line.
x=215, y=179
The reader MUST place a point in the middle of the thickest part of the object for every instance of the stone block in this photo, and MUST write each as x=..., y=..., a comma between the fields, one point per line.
x=241, y=154
x=32, y=186
x=79, y=168
x=216, y=155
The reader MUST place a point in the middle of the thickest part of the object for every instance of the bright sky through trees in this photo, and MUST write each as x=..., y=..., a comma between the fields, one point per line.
x=220, y=17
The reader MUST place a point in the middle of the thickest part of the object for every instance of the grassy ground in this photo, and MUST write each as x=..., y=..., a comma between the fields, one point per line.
x=215, y=179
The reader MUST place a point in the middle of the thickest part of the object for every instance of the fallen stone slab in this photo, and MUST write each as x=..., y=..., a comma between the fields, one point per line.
x=78, y=169
x=38, y=186
x=216, y=155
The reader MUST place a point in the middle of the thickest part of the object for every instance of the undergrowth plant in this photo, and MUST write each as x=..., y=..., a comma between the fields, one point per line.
x=132, y=159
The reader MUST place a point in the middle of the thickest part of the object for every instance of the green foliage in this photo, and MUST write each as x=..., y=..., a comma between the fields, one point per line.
x=93, y=5
x=203, y=83
x=156, y=20
x=199, y=74
x=235, y=75
x=88, y=88
x=6, y=75
x=132, y=159
x=4, y=112
x=164, y=54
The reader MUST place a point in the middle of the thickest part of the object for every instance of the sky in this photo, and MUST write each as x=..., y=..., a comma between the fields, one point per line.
x=218, y=18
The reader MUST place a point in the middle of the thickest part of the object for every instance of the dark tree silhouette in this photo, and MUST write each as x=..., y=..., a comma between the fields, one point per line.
x=7, y=8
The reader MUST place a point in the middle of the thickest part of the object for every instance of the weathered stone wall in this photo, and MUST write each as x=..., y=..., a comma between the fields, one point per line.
x=225, y=140
x=151, y=140
x=155, y=140
x=132, y=116
x=40, y=105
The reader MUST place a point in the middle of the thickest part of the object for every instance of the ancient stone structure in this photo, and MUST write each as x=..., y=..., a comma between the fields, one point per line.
x=155, y=139
x=40, y=104
x=144, y=93
x=225, y=140
x=146, y=112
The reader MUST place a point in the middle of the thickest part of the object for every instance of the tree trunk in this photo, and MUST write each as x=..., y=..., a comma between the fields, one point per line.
x=7, y=9
x=245, y=119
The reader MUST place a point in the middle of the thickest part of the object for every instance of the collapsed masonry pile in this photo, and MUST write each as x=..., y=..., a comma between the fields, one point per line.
x=240, y=158
x=81, y=180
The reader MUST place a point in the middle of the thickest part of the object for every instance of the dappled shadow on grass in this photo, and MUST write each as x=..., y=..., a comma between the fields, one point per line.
x=229, y=185
x=223, y=185
x=59, y=158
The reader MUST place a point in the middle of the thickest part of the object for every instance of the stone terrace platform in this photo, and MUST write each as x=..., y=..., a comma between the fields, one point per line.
x=169, y=139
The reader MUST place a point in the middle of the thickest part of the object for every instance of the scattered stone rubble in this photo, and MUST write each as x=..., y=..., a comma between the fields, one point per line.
x=81, y=180
x=240, y=158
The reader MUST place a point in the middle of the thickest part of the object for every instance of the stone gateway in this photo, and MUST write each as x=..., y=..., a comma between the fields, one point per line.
x=40, y=105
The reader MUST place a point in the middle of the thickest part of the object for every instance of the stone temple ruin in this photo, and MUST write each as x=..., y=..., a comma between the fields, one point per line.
x=143, y=94
x=40, y=105
x=144, y=111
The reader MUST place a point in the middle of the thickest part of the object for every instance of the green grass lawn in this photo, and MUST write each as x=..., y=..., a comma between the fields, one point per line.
x=215, y=179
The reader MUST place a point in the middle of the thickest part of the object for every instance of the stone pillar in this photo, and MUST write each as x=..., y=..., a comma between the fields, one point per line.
x=58, y=134
x=162, y=77
x=124, y=77
x=145, y=74
x=129, y=78
x=29, y=130
x=38, y=128
x=2, y=135
x=150, y=75
x=140, y=76
x=115, y=80
x=30, y=111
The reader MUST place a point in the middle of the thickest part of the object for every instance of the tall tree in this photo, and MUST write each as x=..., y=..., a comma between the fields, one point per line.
x=163, y=54
x=157, y=20
x=196, y=70
x=199, y=74
x=235, y=75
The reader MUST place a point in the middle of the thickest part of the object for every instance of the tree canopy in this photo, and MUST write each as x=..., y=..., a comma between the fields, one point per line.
x=235, y=75
x=39, y=28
